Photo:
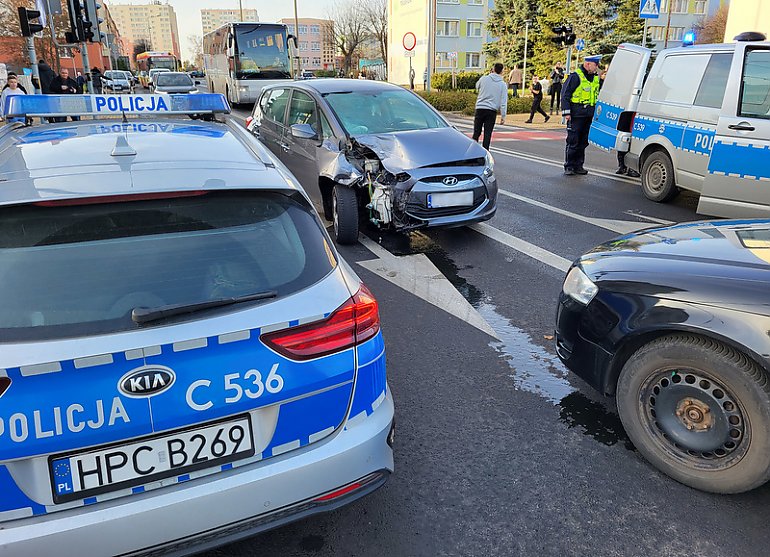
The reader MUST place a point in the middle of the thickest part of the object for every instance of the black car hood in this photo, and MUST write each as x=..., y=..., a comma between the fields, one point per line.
x=403, y=151
x=724, y=263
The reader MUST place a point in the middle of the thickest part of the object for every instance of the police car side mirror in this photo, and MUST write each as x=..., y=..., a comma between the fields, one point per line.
x=303, y=131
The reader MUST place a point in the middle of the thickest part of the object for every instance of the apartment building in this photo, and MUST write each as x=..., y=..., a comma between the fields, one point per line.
x=154, y=21
x=315, y=42
x=685, y=16
x=214, y=19
x=451, y=32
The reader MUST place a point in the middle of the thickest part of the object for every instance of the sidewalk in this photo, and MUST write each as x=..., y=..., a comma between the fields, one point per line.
x=518, y=120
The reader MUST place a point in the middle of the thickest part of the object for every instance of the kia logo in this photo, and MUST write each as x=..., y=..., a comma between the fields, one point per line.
x=450, y=181
x=146, y=381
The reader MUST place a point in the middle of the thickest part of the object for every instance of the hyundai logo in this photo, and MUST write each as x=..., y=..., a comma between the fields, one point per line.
x=146, y=381
x=450, y=181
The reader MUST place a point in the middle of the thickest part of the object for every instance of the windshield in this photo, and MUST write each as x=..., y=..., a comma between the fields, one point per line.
x=262, y=52
x=367, y=112
x=109, y=258
x=174, y=80
x=114, y=74
x=167, y=63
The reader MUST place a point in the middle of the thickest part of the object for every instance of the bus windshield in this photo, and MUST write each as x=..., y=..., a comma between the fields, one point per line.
x=262, y=52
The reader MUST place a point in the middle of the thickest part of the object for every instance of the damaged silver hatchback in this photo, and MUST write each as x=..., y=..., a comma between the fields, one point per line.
x=367, y=150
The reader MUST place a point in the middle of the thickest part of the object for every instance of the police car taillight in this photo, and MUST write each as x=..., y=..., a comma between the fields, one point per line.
x=354, y=322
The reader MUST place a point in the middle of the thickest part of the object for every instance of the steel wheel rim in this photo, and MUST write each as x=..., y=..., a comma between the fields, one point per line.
x=672, y=407
x=657, y=173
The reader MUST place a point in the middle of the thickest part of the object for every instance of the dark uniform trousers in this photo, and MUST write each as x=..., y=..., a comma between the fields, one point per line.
x=577, y=141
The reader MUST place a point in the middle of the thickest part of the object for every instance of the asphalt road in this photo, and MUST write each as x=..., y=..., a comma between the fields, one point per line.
x=499, y=451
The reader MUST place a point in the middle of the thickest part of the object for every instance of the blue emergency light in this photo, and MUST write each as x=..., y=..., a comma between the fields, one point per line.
x=688, y=39
x=115, y=105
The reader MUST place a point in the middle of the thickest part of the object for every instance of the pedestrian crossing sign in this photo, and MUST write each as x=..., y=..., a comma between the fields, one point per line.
x=649, y=9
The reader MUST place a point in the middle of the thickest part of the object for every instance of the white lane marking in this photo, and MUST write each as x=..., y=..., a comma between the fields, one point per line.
x=549, y=162
x=620, y=226
x=649, y=218
x=531, y=250
x=419, y=276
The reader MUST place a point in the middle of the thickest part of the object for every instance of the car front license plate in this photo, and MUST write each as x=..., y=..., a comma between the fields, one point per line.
x=119, y=466
x=451, y=199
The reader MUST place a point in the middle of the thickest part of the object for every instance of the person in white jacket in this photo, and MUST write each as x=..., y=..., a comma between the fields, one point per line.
x=13, y=88
x=493, y=98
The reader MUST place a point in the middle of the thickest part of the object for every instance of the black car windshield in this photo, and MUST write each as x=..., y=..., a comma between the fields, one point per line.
x=173, y=80
x=70, y=270
x=366, y=112
x=262, y=52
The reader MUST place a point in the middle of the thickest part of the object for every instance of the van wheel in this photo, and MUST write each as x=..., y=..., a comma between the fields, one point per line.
x=658, y=178
x=345, y=215
x=699, y=411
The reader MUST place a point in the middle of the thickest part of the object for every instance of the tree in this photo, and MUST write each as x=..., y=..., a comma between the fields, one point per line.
x=629, y=27
x=196, y=47
x=347, y=28
x=506, y=22
x=142, y=45
x=376, y=14
x=712, y=30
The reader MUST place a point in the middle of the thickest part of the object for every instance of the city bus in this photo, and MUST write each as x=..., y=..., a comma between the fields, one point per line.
x=147, y=61
x=242, y=58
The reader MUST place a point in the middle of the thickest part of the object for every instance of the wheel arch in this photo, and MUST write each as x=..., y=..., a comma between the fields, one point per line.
x=634, y=342
x=658, y=144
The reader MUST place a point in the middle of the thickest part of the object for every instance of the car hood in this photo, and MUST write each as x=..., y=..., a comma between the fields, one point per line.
x=403, y=151
x=725, y=263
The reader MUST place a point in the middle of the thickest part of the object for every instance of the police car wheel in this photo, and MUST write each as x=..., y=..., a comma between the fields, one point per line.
x=699, y=411
x=345, y=215
x=658, y=178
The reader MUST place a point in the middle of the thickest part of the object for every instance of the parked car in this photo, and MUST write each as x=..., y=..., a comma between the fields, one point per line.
x=151, y=76
x=673, y=322
x=204, y=365
x=375, y=150
x=116, y=81
x=175, y=82
x=197, y=73
x=699, y=121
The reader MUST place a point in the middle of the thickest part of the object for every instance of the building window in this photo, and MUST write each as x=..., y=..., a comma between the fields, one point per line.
x=473, y=60
x=677, y=6
x=474, y=28
x=303, y=29
x=448, y=1
x=303, y=45
x=443, y=60
x=447, y=28
x=315, y=46
x=290, y=29
x=475, y=2
x=659, y=33
x=315, y=29
x=700, y=7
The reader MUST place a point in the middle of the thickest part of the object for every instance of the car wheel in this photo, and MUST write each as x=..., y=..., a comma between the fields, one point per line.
x=699, y=411
x=345, y=215
x=658, y=178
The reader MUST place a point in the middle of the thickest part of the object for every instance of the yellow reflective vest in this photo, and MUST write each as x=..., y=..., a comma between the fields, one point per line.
x=587, y=92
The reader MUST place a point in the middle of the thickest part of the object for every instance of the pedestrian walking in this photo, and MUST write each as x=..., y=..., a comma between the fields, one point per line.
x=515, y=80
x=492, y=98
x=81, y=81
x=47, y=75
x=425, y=80
x=63, y=84
x=578, y=101
x=536, y=88
x=96, y=80
x=557, y=80
x=11, y=88
x=411, y=78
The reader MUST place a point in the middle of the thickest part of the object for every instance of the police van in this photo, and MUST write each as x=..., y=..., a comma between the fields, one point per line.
x=185, y=359
x=698, y=121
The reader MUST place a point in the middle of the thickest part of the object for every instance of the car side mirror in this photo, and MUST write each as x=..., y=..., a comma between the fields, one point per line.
x=303, y=131
x=197, y=82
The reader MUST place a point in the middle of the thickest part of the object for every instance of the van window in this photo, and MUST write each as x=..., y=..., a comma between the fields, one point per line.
x=712, y=89
x=755, y=89
x=676, y=79
x=111, y=257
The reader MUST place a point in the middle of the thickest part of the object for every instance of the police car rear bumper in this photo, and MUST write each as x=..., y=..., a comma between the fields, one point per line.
x=205, y=513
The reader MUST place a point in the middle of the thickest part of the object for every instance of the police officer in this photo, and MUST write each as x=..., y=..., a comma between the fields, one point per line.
x=578, y=99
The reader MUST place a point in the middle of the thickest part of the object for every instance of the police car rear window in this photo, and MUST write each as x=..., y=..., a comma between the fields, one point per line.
x=74, y=270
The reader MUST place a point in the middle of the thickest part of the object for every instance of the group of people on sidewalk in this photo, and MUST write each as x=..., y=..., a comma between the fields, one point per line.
x=577, y=96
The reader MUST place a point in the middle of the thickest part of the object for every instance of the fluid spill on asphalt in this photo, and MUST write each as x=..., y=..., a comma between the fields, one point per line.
x=533, y=368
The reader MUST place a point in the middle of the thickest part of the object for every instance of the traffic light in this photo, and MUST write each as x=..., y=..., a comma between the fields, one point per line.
x=92, y=21
x=26, y=17
x=563, y=35
x=77, y=32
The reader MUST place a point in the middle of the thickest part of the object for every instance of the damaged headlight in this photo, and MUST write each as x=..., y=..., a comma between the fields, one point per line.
x=489, y=166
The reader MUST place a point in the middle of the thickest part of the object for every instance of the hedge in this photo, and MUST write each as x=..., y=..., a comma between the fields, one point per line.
x=464, y=80
x=465, y=101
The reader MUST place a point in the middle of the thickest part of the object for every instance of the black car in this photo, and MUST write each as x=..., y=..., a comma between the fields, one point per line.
x=675, y=323
x=368, y=150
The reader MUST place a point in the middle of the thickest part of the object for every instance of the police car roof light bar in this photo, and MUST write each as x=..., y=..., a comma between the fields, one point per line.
x=115, y=105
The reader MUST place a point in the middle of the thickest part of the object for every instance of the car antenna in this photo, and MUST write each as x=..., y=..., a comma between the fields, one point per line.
x=125, y=120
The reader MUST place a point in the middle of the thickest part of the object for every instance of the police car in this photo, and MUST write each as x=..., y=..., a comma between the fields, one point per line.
x=185, y=359
x=699, y=121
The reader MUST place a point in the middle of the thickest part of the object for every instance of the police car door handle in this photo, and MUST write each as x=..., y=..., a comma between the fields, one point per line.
x=743, y=127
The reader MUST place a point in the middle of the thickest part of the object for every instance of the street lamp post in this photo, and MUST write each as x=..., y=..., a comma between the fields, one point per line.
x=527, y=23
x=240, y=8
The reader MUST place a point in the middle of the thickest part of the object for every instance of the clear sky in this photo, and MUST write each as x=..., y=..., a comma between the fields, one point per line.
x=188, y=12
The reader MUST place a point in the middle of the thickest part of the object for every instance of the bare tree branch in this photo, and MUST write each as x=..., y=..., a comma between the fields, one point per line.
x=376, y=14
x=347, y=27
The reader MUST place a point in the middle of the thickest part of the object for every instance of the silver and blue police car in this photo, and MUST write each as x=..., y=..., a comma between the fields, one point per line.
x=185, y=359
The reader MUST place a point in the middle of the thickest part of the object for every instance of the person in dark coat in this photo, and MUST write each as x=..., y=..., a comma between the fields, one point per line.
x=63, y=84
x=46, y=76
x=96, y=80
x=578, y=100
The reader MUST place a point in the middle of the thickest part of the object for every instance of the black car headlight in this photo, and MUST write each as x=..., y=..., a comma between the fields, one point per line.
x=579, y=287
